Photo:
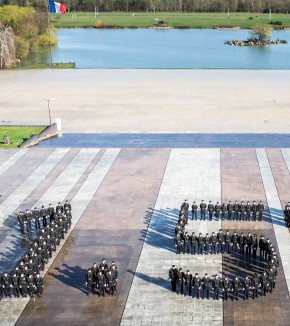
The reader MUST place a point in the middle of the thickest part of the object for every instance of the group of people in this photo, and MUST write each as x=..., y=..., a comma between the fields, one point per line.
x=260, y=284
x=287, y=214
x=222, y=242
x=232, y=211
x=25, y=279
x=61, y=215
x=98, y=278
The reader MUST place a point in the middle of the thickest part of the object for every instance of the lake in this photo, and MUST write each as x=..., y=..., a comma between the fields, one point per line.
x=172, y=48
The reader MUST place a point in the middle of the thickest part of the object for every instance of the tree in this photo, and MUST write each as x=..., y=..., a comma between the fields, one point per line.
x=7, y=48
x=261, y=32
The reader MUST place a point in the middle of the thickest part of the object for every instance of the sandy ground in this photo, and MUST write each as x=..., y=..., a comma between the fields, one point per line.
x=94, y=100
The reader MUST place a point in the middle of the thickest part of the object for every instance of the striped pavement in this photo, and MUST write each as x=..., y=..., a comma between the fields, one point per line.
x=125, y=206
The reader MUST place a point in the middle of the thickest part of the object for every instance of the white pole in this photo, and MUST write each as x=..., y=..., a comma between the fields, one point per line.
x=270, y=15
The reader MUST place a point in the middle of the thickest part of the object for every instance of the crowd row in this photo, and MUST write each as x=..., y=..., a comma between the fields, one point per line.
x=25, y=278
x=98, y=278
x=60, y=213
x=238, y=211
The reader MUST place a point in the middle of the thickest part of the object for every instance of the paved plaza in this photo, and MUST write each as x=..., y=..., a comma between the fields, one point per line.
x=125, y=207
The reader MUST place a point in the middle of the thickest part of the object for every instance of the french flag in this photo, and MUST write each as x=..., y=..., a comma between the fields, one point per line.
x=56, y=7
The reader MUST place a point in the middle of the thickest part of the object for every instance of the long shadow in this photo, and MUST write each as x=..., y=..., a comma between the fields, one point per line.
x=73, y=276
x=161, y=224
x=150, y=279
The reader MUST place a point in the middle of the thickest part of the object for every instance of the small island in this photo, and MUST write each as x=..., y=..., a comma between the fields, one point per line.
x=260, y=35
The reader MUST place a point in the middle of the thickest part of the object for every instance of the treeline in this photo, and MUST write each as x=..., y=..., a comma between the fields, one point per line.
x=255, y=6
x=29, y=29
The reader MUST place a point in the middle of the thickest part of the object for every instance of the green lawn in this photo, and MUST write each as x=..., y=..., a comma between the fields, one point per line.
x=61, y=65
x=175, y=20
x=18, y=134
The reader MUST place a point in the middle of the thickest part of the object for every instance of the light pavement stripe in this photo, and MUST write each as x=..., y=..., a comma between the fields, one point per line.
x=12, y=160
x=191, y=174
x=276, y=210
x=10, y=252
x=19, y=195
x=82, y=198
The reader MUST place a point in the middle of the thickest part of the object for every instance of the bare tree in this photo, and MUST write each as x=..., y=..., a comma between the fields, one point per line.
x=7, y=47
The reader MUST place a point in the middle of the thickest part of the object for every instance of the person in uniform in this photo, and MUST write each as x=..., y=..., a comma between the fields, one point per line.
x=5, y=284
x=50, y=212
x=20, y=219
x=202, y=210
x=192, y=241
x=223, y=211
x=213, y=241
x=216, y=287
x=236, y=286
x=172, y=277
x=217, y=210
x=178, y=244
x=265, y=283
x=210, y=209
x=254, y=210
x=186, y=243
x=179, y=281
x=22, y=285
x=194, y=210
x=248, y=211
x=111, y=282
x=226, y=286
x=59, y=207
x=255, y=246
x=221, y=242
x=242, y=242
x=260, y=211
x=43, y=214
x=67, y=206
x=114, y=270
x=30, y=285
x=28, y=219
x=206, y=244
x=200, y=243
x=242, y=211
x=246, y=287
x=103, y=267
x=234, y=241
x=196, y=283
x=230, y=210
x=227, y=242
x=36, y=217
x=255, y=285
x=249, y=243
x=262, y=244
x=14, y=284
x=187, y=282
x=101, y=283
x=236, y=210
x=205, y=286
x=39, y=284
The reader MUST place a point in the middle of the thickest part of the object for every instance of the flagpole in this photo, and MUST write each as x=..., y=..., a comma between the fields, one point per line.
x=49, y=37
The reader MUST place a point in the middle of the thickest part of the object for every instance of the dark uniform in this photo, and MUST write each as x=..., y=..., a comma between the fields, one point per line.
x=186, y=243
x=227, y=242
x=260, y=211
x=226, y=286
x=262, y=246
x=206, y=286
x=200, y=243
x=265, y=283
x=202, y=210
x=255, y=285
x=178, y=244
x=28, y=218
x=196, y=283
x=194, y=210
x=216, y=287
x=21, y=220
x=192, y=240
x=172, y=277
x=213, y=241
x=187, y=282
x=36, y=216
x=51, y=213
x=236, y=210
x=223, y=210
x=235, y=240
x=5, y=284
x=111, y=282
x=235, y=286
x=39, y=284
x=179, y=281
x=206, y=243
x=249, y=243
x=217, y=210
x=242, y=242
x=254, y=210
x=242, y=211
x=246, y=286
x=221, y=242
x=22, y=285
x=230, y=210
x=67, y=206
x=248, y=211
x=30, y=285
x=101, y=283
x=210, y=209
x=43, y=214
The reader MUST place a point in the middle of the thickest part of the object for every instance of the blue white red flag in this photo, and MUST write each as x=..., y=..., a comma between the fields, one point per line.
x=55, y=7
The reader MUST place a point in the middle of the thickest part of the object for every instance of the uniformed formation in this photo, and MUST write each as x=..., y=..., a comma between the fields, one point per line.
x=25, y=279
x=102, y=278
x=235, y=244
x=60, y=215
x=260, y=284
x=236, y=211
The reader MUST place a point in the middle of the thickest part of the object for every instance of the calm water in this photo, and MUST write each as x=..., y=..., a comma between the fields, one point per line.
x=149, y=48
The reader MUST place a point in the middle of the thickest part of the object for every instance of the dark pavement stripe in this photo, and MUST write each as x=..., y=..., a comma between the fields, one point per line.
x=241, y=180
x=112, y=226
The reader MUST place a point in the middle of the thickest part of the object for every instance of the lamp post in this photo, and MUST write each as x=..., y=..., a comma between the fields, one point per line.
x=48, y=101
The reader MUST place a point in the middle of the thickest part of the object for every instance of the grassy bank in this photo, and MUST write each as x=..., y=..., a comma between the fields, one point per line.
x=175, y=20
x=18, y=134
x=67, y=65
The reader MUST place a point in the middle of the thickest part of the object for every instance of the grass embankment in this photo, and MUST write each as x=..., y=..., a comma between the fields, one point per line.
x=18, y=134
x=67, y=65
x=174, y=20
